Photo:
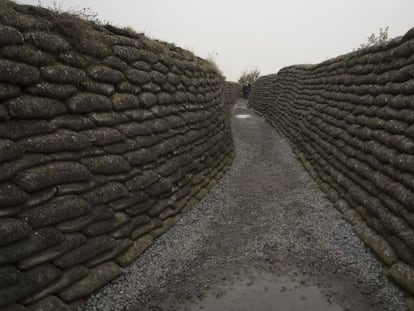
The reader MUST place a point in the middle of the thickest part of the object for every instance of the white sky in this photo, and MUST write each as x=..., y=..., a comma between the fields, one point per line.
x=255, y=34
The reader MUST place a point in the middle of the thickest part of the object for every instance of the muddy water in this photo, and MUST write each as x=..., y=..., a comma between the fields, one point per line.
x=266, y=293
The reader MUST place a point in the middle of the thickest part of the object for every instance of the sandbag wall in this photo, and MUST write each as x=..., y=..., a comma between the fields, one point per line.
x=233, y=91
x=105, y=136
x=351, y=121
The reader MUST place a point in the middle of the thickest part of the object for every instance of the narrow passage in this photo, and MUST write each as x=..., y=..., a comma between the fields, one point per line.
x=264, y=238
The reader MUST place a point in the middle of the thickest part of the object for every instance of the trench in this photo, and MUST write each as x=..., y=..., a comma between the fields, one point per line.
x=264, y=238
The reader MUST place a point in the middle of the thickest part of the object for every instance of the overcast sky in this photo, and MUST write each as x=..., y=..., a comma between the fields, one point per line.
x=256, y=34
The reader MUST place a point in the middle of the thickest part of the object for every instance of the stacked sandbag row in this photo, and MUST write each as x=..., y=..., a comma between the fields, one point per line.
x=351, y=121
x=105, y=136
x=233, y=91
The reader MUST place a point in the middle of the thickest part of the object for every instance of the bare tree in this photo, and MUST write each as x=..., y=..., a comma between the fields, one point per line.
x=249, y=76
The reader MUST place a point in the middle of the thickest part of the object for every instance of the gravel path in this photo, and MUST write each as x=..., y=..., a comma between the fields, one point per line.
x=266, y=218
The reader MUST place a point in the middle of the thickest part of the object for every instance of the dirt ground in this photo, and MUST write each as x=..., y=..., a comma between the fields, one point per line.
x=264, y=238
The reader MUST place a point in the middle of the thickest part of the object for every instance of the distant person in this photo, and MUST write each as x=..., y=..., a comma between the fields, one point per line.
x=246, y=90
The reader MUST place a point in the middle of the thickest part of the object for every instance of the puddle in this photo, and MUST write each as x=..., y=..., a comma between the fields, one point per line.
x=242, y=116
x=266, y=294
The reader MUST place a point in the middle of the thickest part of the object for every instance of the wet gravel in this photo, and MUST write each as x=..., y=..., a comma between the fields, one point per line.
x=265, y=216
